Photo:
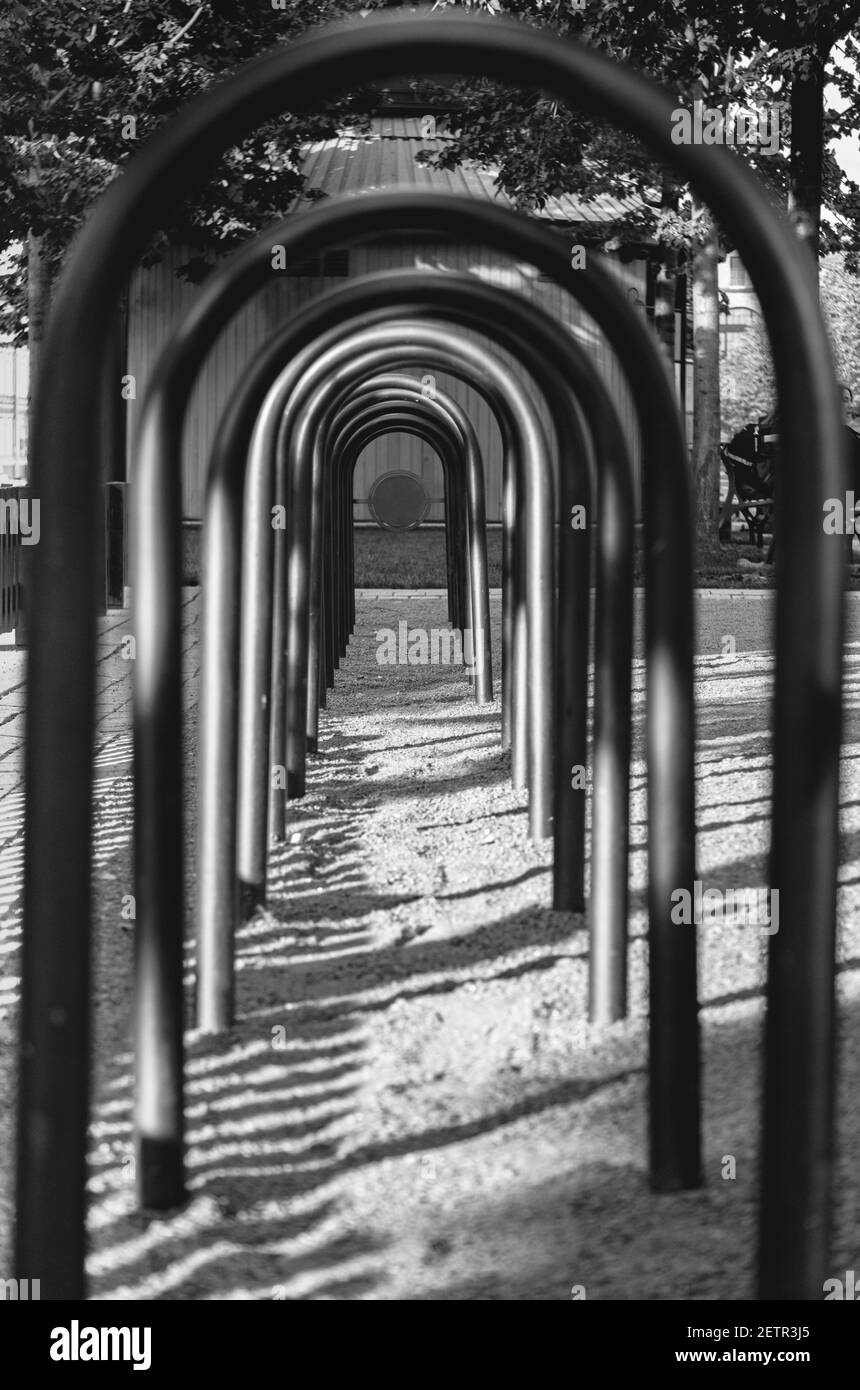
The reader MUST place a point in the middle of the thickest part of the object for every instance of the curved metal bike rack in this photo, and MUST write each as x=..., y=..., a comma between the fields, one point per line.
x=800, y=1023
x=256, y=669
x=456, y=547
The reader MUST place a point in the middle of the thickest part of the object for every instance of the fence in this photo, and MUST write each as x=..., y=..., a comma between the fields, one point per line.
x=10, y=557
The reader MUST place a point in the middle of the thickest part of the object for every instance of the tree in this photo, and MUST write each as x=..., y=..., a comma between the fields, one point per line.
x=840, y=299
x=77, y=95
x=751, y=52
x=800, y=38
x=748, y=386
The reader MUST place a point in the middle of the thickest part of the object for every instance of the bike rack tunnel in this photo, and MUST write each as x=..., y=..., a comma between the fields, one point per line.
x=342, y=524
x=800, y=1025
x=380, y=423
x=474, y=612
x=673, y=1026
x=234, y=449
x=671, y=1073
x=220, y=614
x=612, y=681
x=340, y=441
x=371, y=392
x=323, y=388
x=398, y=408
x=218, y=624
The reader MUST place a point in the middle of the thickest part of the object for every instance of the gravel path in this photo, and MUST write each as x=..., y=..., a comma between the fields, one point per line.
x=411, y=1106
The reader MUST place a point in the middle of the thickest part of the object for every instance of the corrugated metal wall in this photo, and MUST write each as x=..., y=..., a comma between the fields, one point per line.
x=158, y=298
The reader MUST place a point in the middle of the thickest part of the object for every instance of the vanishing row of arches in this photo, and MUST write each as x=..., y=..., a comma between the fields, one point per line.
x=278, y=608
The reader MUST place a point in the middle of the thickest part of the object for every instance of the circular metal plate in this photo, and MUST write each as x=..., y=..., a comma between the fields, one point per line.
x=398, y=501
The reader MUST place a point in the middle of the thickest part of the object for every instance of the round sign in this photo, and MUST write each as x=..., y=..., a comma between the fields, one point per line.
x=398, y=501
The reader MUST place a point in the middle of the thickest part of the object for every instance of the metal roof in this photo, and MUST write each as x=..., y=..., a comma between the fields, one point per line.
x=387, y=156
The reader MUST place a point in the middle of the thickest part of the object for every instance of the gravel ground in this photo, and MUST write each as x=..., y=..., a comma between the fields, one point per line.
x=411, y=1105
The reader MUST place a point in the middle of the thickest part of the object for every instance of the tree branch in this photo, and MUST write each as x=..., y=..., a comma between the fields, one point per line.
x=184, y=30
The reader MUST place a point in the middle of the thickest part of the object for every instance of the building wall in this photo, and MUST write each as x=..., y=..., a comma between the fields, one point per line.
x=14, y=385
x=158, y=299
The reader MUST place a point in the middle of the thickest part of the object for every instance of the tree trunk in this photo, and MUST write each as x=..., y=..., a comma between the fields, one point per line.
x=38, y=300
x=706, y=391
x=807, y=152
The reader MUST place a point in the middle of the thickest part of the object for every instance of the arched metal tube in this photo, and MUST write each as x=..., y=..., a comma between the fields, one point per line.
x=343, y=524
x=425, y=345
x=199, y=333
x=560, y=347
x=810, y=610
x=222, y=535
x=381, y=420
x=408, y=389
x=160, y=1096
x=478, y=603
x=608, y=971
x=200, y=325
x=343, y=463
x=254, y=761
x=540, y=342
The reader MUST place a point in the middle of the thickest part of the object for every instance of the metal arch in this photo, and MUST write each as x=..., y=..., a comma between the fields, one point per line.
x=339, y=538
x=234, y=449
x=343, y=467
x=402, y=411
x=223, y=543
x=478, y=604
x=346, y=604
x=674, y=1156
x=810, y=611
x=343, y=529
x=427, y=345
x=525, y=330
x=256, y=676
x=218, y=807
x=161, y=430
x=478, y=587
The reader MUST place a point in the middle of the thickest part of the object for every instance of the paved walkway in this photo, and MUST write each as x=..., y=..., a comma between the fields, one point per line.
x=410, y=1105
x=744, y=616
